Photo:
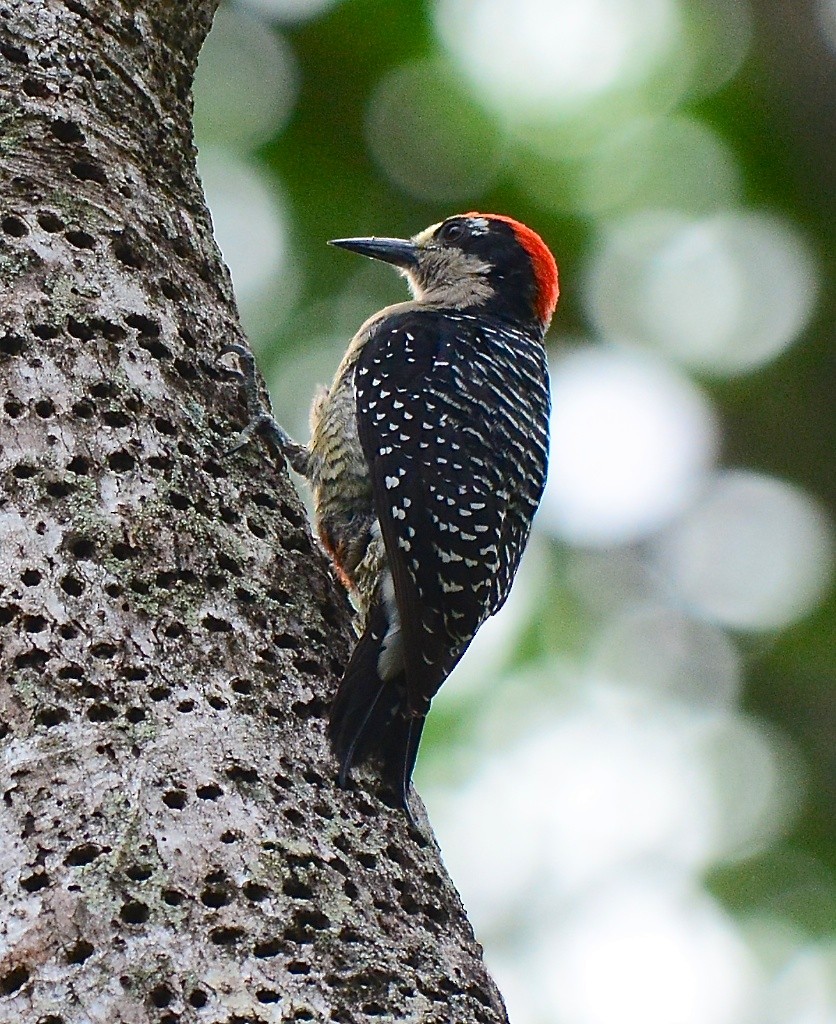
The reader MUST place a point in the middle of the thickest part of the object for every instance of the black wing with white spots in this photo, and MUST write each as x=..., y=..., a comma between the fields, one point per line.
x=452, y=416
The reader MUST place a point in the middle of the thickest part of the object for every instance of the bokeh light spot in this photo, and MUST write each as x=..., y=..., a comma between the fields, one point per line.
x=726, y=293
x=289, y=10
x=246, y=82
x=631, y=439
x=557, y=52
x=671, y=163
x=662, y=652
x=430, y=137
x=754, y=553
x=648, y=950
x=826, y=10
x=250, y=230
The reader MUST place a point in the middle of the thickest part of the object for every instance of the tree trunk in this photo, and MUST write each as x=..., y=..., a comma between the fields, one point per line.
x=173, y=845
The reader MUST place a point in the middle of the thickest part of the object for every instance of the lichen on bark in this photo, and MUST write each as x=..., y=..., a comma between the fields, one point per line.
x=174, y=848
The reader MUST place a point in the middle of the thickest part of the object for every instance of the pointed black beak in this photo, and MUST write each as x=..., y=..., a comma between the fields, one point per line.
x=400, y=252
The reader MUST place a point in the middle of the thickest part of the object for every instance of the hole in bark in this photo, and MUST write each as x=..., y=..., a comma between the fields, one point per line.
x=34, y=623
x=104, y=389
x=80, y=952
x=179, y=501
x=242, y=686
x=286, y=641
x=268, y=995
x=395, y=854
x=58, y=489
x=154, y=347
x=226, y=936
x=297, y=890
x=49, y=717
x=49, y=222
x=32, y=659
x=143, y=324
x=104, y=650
x=216, y=625
x=172, y=897
x=124, y=551
x=13, y=408
x=13, y=980
x=134, y=912
x=11, y=344
x=161, y=996
x=80, y=330
x=211, y=792
x=36, y=881
x=45, y=331
x=434, y=913
x=101, y=713
x=88, y=170
x=83, y=548
x=86, y=853
x=197, y=998
x=174, y=630
x=268, y=948
x=188, y=371
x=165, y=427
x=121, y=461
x=239, y=773
x=79, y=465
x=83, y=410
x=80, y=239
x=374, y=1010
x=24, y=472
x=30, y=577
x=115, y=418
x=255, y=892
x=8, y=613
x=127, y=255
x=138, y=872
x=305, y=922
x=66, y=131
x=185, y=707
x=175, y=798
x=135, y=715
x=215, y=896
x=255, y=529
x=14, y=226
x=309, y=667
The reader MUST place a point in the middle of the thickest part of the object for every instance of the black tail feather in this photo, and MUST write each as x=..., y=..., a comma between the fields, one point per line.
x=368, y=716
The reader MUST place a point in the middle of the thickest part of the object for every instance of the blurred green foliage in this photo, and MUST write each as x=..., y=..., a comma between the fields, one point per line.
x=778, y=116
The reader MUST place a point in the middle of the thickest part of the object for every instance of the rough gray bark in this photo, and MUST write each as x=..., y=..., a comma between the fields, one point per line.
x=172, y=845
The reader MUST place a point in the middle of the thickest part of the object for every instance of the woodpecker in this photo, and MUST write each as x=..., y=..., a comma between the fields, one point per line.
x=427, y=461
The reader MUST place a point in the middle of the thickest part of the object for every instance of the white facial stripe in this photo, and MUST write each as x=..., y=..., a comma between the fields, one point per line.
x=424, y=236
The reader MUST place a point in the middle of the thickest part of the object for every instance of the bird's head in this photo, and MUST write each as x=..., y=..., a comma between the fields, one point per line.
x=473, y=261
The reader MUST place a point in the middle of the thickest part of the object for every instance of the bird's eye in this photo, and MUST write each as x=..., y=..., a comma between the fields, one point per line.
x=452, y=231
